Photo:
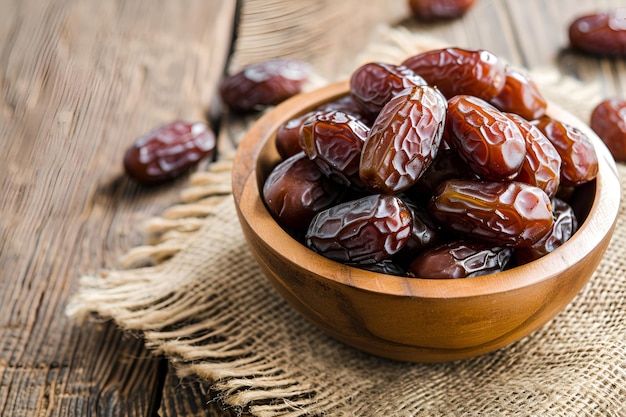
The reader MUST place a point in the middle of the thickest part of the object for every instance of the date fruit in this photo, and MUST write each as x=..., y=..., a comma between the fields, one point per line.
x=608, y=120
x=508, y=213
x=288, y=136
x=364, y=231
x=460, y=259
x=432, y=10
x=457, y=71
x=520, y=95
x=486, y=138
x=168, y=151
x=542, y=164
x=264, y=84
x=579, y=162
x=564, y=226
x=403, y=140
x=333, y=141
x=602, y=34
x=373, y=85
x=296, y=190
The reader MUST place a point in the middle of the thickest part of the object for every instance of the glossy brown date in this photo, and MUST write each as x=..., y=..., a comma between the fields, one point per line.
x=608, y=120
x=296, y=190
x=520, y=95
x=542, y=164
x=364, y=231
x=372, y=85
x=333, y=141
x=431, y=10
x=403, y=140
x=288, y=134
x=486, y=138
x=263, y=84
x=601, y=34
x=425, y=233
x=457, y=71
x=564, y=226
x=168, y=151
x=460, y=259
x=506, y=213
x=579, y=162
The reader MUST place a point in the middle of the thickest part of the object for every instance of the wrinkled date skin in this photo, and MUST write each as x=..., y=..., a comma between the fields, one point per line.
x=288, y=134
x=460, y=259
x=333, y=141
x=564, y=226
x=608, y=120
x=387, y=266
x=373, y=85
x=542, y=164
x=296, y=190
x=507, y=213
x=263, y=84
x=486, y=138
x=364, y=231
x=460, y=71
x=521, y=96
x=432, y=10
x=424, y=233
x=579, y=162
x=602, y=34
x=168, y=151
x=403, y=140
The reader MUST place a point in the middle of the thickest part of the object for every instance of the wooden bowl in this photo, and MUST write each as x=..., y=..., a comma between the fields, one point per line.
x=414, y=319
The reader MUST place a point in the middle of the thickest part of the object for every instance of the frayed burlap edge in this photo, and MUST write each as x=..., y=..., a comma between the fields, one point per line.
x=198, y=297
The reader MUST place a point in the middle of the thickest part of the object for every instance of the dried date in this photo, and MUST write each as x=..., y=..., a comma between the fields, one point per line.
x=608, y=120
x=168, y=151
x=288, y=134
x=296, y=190
x=403, y=140
x=333, y=141
x=564, y=226
x=579, y=162
x=486, y=138
x=432, y=10
x=460, y=259
x=542, y=164
x=425, y=233
x=387, y=266
x=507, y=213
x=372, y=85
x=601, y=34
x=520, y=95
x=364, y=231
x=264, y=83
x=457, y=71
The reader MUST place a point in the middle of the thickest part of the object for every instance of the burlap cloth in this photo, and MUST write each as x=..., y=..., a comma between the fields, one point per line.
x=205, y=305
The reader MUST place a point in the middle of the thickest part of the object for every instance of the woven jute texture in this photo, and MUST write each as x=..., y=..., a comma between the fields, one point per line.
x=204, y=304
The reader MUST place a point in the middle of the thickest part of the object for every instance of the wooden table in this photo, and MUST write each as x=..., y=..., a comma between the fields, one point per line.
x=81, y=79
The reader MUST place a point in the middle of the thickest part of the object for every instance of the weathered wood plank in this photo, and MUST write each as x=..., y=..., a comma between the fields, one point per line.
x=80, y=80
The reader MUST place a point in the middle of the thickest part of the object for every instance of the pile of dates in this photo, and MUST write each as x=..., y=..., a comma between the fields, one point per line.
x=444, y=166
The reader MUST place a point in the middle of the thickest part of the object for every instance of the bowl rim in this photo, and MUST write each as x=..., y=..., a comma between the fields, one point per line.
x=599, y=223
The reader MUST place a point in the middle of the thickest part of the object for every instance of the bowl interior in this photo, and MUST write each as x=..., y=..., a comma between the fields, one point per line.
x=595, y=204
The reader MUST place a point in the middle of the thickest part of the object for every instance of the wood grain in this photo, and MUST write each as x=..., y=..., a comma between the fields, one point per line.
x=79, y=80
